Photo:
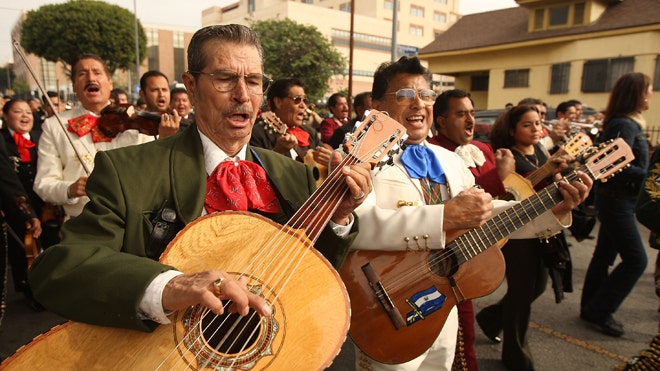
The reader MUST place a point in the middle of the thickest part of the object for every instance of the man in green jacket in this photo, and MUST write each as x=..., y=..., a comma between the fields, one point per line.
x=101, y=272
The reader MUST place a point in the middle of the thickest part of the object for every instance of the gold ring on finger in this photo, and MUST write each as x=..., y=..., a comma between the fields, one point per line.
x=216, y=286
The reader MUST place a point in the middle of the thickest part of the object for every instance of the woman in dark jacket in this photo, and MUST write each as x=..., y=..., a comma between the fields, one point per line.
x=603, y=292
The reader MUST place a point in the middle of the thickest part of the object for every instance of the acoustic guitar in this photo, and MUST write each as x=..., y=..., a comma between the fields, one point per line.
x=310, y=305
x=400, y=299
x=518, y=187
x=320, y=171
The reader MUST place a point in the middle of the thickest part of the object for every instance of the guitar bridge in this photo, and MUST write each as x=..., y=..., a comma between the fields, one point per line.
x=383, y=297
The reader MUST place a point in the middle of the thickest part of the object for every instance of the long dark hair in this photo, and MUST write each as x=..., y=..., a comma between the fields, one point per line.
x=627, y=96
x=500, y=133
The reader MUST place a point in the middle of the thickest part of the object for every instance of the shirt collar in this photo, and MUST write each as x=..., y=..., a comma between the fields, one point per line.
x=213, y=155
x=25, y=135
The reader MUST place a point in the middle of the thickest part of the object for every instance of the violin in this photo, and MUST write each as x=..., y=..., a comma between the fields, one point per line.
x=30, y=243
x=116, y=119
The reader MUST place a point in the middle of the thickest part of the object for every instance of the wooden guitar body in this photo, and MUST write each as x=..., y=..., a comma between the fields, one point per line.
x=309, y=301
x=370, y=323
x=293, y=338
x=517, y=187
x=400, y=299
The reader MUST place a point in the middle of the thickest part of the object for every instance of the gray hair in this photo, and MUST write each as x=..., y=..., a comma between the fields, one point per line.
x=230, y=33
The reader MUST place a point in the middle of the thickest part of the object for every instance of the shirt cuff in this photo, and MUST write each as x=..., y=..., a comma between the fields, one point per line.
x=342, y=230
x=151, y=305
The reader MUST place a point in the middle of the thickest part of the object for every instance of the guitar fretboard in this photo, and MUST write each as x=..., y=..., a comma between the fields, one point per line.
x=508, y=221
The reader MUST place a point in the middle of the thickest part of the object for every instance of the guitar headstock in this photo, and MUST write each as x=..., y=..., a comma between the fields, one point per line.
x=578, y=144
x=377, y=139
x=274, y=122
x=610, y=158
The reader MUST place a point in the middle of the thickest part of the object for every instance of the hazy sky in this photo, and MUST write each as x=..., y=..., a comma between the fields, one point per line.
x=186, y=13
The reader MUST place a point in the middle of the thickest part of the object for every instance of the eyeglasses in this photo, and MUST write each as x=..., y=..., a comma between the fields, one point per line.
x=299, y=98
x=541, y=113
x=405, y=96
x=224, y=81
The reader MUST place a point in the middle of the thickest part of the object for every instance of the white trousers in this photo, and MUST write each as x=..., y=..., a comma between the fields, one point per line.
x=438, y=357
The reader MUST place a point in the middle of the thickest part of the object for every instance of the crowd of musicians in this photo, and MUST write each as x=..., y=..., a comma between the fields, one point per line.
x=101, y=189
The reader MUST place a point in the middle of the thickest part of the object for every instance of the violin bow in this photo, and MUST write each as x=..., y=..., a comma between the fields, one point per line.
x=23, y=56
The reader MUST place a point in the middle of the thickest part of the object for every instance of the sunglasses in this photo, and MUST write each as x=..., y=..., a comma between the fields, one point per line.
x=299, y=98
x=406, y=96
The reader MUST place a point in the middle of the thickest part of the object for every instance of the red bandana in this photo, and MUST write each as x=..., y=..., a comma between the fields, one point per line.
x=23, y=146
x=87, y=123
x=300, y=134
x=239, y=186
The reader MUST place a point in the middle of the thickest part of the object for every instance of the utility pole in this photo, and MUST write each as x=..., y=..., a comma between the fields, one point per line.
x=8, y=78
x=350, y=60
x=137, y=48
x=395, y=24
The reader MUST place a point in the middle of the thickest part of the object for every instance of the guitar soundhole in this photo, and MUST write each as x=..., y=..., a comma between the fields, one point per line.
x=231, y=333
x=443, y=262
x=316, y=173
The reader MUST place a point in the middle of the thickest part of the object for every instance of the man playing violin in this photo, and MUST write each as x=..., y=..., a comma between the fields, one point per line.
x=108, y=243
x=67, y=148
x=155, y=90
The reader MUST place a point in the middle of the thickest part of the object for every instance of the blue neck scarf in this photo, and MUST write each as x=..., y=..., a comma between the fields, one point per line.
x=420, y=162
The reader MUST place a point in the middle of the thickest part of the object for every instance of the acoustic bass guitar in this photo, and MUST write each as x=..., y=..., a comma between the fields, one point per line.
x=310, y=305
x=400, y=299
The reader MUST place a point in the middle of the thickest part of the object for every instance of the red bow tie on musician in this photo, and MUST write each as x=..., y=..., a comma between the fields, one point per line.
x=87, y=123
x=23, y=146
x=239, y=185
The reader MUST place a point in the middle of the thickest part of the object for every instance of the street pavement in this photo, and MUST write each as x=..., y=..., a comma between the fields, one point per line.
x=559, y=340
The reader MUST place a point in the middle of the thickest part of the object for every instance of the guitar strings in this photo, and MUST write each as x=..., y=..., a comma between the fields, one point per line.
x=277, y=242
x=329, y=192
x=335, y=179
x=452, y=248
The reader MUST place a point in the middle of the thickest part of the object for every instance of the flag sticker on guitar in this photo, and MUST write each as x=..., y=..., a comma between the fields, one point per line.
x=424, y=303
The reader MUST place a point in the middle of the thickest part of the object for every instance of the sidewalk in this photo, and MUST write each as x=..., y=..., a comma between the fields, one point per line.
x=560, y=340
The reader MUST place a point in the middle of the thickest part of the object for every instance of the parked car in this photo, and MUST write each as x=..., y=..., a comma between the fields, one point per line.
x=484, y=120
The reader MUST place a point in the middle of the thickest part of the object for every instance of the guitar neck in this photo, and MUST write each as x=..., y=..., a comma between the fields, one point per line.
x=316, y=212
x=546, y=170
x=538, y=175
x=510, y=220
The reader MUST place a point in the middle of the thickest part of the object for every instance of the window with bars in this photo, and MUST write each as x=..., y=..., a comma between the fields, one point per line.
x=516, y=78
x=578, y=13
x=538, y=18
x=559, y=78
x=599, y=75
x=479, y=83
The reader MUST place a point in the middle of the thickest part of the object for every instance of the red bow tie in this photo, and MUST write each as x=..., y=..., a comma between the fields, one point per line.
x=84, y=124
x=300, y=134
x=241, y=185
x=23, y=146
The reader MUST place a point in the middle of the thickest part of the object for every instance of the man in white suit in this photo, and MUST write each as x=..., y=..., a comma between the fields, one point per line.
x=402, y=89
x=61, y=173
